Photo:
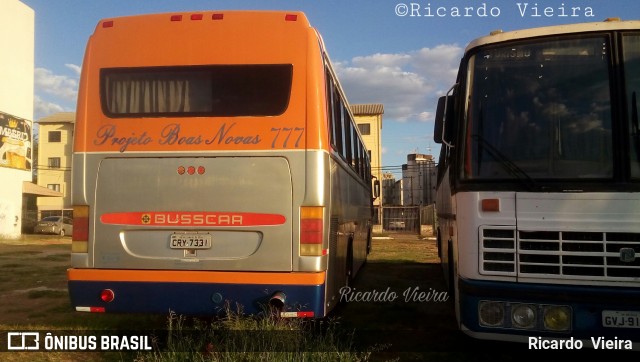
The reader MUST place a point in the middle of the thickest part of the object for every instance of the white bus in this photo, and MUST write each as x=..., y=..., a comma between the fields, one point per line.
x=538, y=196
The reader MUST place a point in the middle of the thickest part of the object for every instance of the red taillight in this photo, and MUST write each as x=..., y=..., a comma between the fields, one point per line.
x=107, y=295
x=201, y=170
x=107, y=24
x=176, y=17
x=217, y=16
x=181, y=170
x=196, y=16
x=311, y=231
x=291, y=17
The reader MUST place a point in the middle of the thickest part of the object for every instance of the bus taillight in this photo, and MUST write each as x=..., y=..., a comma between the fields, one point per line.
x=291, y=17
x=311, y=226
x=107, y=295
x=80, y=234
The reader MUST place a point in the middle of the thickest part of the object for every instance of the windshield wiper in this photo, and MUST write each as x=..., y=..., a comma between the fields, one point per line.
x=505, y=162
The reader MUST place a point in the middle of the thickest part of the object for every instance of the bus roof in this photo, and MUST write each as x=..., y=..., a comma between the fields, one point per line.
x=229, y=36
x=500, y=36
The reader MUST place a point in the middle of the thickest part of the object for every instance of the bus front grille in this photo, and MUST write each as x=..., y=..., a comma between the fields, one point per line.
x=612, y=256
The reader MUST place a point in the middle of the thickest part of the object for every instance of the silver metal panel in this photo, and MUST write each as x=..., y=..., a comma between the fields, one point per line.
x=228, y=185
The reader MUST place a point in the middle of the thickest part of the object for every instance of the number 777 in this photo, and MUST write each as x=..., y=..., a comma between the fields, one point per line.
x=286, y=133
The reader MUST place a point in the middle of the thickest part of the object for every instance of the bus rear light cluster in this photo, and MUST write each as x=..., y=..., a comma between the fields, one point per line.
x=80, y=235
x=535, y=317
x=191, y=170
x=311, y=227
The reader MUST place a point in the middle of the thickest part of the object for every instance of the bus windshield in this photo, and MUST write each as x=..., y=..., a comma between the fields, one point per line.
x=218, y=91
x=540, y=110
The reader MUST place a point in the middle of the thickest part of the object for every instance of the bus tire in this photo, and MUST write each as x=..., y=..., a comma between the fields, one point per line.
x=450, y=271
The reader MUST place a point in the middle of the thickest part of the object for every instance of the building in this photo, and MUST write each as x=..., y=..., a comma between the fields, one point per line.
x=419, y=177
x=17, y=41
x=368, y=117
x=388, y=189
x=53, y=167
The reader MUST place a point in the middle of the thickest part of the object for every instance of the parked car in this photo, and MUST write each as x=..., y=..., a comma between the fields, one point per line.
x=396, y=225
x=54, y=225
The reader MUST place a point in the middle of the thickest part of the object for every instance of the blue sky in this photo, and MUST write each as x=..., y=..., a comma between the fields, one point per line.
x=403, y=54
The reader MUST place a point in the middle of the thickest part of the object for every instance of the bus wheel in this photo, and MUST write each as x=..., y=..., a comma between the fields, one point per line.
x=450, y=271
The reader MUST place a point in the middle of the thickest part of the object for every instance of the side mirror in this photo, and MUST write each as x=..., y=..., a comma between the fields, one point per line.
x=376, y=188
x=440, y=113
x=444, y=125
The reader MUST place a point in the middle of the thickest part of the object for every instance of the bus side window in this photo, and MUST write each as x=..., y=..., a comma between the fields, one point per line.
x=348, y=125
x=330, y=109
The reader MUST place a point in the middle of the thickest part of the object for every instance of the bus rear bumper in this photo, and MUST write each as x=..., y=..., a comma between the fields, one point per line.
x=530, y=313
x=195, y=292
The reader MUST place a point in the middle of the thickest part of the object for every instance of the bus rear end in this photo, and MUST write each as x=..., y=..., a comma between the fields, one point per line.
x=190, y=179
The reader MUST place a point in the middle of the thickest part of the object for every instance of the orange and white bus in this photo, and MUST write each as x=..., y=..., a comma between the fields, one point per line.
x=216, y=161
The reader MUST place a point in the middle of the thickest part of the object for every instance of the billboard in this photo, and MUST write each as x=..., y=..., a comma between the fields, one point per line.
x=15, y=142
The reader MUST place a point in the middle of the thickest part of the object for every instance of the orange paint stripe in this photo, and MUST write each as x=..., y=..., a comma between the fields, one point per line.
x=185, y=276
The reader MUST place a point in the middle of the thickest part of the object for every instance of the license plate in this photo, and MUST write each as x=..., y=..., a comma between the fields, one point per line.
x=190, y=241
x=620, y=319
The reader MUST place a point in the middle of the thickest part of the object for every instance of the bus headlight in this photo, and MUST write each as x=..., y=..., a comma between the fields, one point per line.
x=491, y=314
x=523, y=316
x=557, y=318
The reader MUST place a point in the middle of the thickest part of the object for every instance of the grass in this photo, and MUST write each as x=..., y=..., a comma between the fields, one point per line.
x=34, y=295
x=237, y=337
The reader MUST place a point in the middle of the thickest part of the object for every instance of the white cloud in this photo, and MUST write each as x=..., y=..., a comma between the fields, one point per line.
x=60, y=86
x=54, y=92
x=44, y=108
x=407, y=84
x=75, y=68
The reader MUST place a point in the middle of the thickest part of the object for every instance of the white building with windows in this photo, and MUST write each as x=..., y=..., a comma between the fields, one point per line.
x=55, y=142
x=17, y=39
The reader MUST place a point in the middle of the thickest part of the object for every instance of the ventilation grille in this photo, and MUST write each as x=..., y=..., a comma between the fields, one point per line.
x=560, y=254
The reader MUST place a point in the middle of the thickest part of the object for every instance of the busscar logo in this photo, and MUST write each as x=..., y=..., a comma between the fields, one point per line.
x=23, y=341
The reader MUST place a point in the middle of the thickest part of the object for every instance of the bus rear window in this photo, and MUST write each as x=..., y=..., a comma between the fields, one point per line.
x=216, y=91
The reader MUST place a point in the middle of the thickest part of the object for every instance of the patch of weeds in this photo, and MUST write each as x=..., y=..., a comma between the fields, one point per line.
x=46, y=293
